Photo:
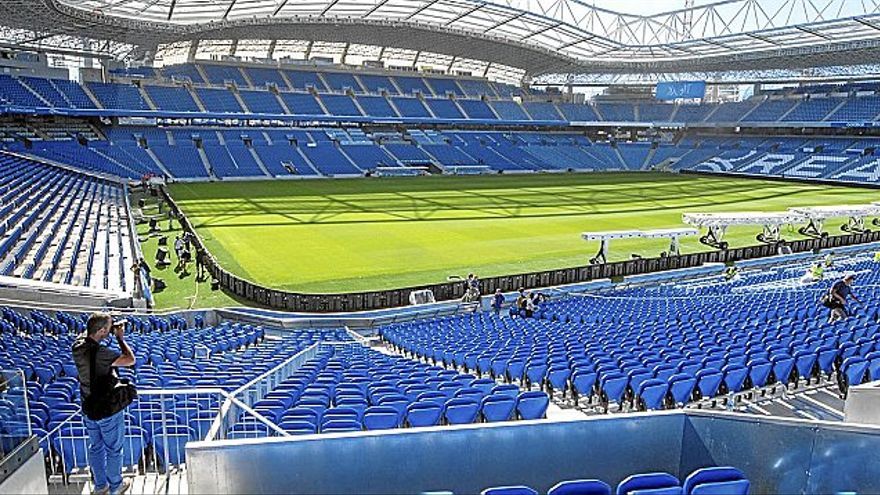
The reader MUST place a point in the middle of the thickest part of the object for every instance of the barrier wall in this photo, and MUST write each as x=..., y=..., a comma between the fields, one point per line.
x=463, y=459
x=364, y=301
x=777, y=455
x=786, y=456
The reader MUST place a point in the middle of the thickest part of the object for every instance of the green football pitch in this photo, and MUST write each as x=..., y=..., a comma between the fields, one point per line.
x=332, y=236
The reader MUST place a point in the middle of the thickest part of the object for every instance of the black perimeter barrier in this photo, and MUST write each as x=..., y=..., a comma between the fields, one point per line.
x=448, y=291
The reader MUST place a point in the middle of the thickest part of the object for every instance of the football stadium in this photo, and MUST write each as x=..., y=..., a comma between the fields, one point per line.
x=495, y=247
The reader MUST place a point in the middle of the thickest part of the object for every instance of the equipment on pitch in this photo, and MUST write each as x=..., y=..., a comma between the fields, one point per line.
x=605, y=238
x=408, y=171
x=467, y=169
x=423, y=296
x=717, y=223
x=816, y=215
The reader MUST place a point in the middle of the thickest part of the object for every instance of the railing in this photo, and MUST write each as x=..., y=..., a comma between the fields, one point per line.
x=365, y=301
x=257, y=388
x=161, y=422
x=15, y=426
x=157, y=428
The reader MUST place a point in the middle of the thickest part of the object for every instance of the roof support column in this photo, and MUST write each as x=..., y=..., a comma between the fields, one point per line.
x=345, y=52
x=233, y=47
x=309, y=50
x=451, y=63
x=486, y=70
x=193, y=49
x=271, y=53
x=416, y=59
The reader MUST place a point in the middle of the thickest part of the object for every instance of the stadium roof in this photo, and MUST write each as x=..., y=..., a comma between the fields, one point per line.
x=539, y=36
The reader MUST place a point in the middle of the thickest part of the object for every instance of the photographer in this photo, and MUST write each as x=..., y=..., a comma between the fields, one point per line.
x=104, y=399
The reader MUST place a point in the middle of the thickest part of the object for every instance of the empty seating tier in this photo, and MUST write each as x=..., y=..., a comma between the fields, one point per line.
x=664, y=346
x=64, y=227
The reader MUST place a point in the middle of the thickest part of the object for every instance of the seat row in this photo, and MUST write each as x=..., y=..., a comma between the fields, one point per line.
x=353, y=388
x=61, y=226
x=705, y=481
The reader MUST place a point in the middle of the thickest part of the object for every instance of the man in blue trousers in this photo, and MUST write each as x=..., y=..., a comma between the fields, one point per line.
x=104, y=399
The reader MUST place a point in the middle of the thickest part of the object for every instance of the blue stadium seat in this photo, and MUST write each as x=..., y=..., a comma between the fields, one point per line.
x=461, y=411
x=509, y=490
x=653, y=483
x=580, y=487
x=727, y=480
x=381, y=418
x=532, y=405
x=423, y=414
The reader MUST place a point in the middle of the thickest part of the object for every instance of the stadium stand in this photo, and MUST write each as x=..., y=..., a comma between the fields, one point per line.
x=444, y=109
x=813, y=110
x=63, y=227
x=261, y=102
x=616, y=112
x=509, y=110
x=476, y=109
x=36, y=92
x=376, y=106
x=377, y=84
x=542, y=111
x=700, y=349
x=303, y=80
x=364, y=89
x=411, y=85
x=344, y=387
x=183, y=72
x=118, y=96
x=410, y=107
x=444, y=87
x=218, y=100
x=220, y=75
x=176, y=99
x=342, y=105
x=302, y=103
x=262, y=77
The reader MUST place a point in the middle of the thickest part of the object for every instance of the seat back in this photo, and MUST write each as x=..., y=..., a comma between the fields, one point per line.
x=497, y=407
x=711, y=475
x=736, y=487
x=509, y=490
x=580, y=487
x=381, y=418
x=647, y=481
x=532, y=405
x=461, y=411
x=424, y=414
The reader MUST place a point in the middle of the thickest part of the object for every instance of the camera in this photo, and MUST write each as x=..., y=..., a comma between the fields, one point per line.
x=119, y=322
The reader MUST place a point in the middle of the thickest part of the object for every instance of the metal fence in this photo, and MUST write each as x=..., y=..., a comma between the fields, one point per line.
x=256, y=389
x=448, y=291
x=157, y=426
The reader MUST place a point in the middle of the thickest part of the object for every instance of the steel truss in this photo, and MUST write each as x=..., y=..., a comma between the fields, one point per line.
x=538, y=36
